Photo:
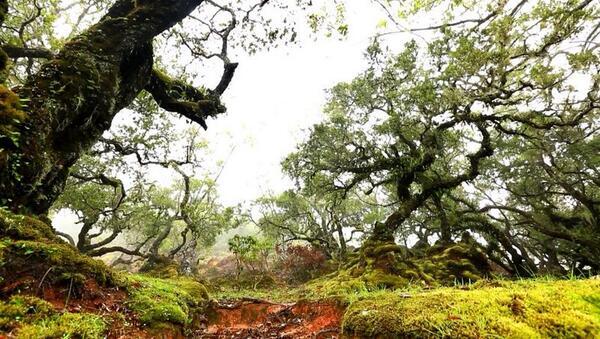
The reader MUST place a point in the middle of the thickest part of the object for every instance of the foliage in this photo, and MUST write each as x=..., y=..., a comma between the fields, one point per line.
x=155, y=220
x=12, y=116
x=328, y=222
x=481, y=129
x=486, y=131
x=252, y=257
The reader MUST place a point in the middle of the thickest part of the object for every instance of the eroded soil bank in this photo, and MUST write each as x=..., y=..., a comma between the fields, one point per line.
x=254, y=318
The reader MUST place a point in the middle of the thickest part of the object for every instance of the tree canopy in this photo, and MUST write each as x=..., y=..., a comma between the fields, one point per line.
x=480, y=129
x=489, y=126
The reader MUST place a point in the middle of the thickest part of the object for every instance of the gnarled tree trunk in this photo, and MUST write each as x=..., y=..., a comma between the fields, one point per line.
x=74, y=97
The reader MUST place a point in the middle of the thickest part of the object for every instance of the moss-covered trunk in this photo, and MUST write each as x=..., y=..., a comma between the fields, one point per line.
x=383, y=263
x=72, y=100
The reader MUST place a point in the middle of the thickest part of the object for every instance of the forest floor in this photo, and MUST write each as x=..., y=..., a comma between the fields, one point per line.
x=543, y=307
x=175, y=308
x=49, y=290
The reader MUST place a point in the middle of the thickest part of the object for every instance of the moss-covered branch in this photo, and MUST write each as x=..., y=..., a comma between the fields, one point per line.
x=179, y=97
x=27, y=52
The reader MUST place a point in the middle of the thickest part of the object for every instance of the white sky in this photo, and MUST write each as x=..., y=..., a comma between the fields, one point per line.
x=275, y=97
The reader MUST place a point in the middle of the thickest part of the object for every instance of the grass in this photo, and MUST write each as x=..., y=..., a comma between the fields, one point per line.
x=66, y=325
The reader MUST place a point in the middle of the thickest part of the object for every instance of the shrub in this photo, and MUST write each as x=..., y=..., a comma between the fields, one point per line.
x=250, y=252
x=300, y=263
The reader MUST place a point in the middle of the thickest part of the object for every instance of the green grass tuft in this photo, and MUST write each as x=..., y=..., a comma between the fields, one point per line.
x=66, y=325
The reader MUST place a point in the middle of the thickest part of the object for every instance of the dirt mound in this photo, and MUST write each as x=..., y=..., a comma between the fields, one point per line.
x=251, y=318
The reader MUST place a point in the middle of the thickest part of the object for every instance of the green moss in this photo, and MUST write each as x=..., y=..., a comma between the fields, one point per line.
x=160, y=267
x=3, y=66
x=29, y=248
x=31, y=317
x=11, y=116
x=380, y=279
x=21, y=308
x=456, y=263
x=158, y=300
x=20, y=227
x=58, y=259
x=10, y=107
x=385, y=264
x=66, y=325
x=345, y=286
x=524, y=309
x=386, y=248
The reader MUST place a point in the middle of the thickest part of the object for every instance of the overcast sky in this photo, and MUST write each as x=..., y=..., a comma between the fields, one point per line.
x=273, y=100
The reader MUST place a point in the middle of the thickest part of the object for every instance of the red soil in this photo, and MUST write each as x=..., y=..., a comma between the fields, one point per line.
x=262, y=319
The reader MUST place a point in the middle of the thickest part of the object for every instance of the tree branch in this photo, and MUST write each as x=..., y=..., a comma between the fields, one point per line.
x=66, y=236
x=16, y=52
x=176, y=96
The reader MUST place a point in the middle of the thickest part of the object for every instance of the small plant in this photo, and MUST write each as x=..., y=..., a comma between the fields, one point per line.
x=251, y=257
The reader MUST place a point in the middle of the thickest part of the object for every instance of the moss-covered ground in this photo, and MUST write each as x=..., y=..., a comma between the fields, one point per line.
x=532, y=308
x=151, y=303
x=35, y=265
x=31, y=317
x=539, y=308
x=158, y=301
x=50, y=290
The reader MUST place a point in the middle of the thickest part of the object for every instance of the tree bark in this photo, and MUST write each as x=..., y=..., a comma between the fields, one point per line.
x=342, y=241
x=74, y=97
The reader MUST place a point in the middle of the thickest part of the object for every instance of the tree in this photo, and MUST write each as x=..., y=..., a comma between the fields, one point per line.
x=327, y=222
x=153, y=221
x=551, y=211
x=410, y=146
x=481, y=101
x=252, y=257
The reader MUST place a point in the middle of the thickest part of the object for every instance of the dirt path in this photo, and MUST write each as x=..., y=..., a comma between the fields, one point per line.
x=251, y=318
